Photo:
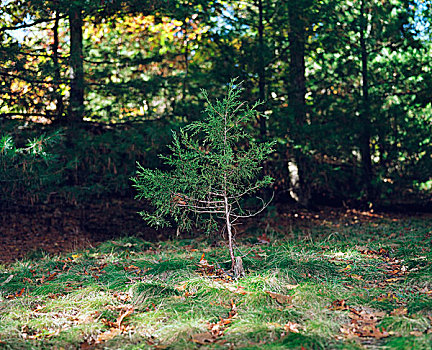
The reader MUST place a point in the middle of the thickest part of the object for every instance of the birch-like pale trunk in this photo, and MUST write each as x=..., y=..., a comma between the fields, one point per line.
x=229, y=231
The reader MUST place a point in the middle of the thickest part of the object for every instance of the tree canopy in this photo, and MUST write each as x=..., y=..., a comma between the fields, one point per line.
x=344, y=84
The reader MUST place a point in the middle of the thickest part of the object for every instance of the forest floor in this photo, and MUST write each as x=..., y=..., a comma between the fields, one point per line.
x=29, y=231
x=32, y=230
x=334, y=279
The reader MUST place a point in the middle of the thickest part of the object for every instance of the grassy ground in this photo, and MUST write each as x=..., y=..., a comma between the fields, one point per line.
x=354, y=286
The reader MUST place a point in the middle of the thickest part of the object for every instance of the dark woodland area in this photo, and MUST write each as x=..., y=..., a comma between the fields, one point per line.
x=264, y=154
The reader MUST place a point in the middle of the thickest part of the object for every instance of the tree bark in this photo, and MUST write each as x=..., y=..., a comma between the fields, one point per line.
x=76, y=102
x=297, y=93
x=365, y=150
x=261, y=66
x=229, y=231
x=57, y=77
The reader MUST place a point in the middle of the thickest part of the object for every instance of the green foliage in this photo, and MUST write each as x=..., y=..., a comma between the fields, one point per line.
x=31, y=169
x=148, y=62
x=211, y=171
x=97, y=162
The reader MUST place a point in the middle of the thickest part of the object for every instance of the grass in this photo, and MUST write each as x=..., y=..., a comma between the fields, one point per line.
x=381, y=268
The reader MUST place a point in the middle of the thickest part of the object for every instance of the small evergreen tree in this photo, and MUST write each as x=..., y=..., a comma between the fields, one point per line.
x=215, y=163
x=29, y=172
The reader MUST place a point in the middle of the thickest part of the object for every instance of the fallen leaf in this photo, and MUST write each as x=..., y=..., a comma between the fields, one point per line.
x=392, y=280
x=51, y=276
x=108, y=335
x=122, y=296
x=291, y=327
x=263, y=239
x=281, y=299
x=16, y=295
x=237, y=290
x=131, y=268
x=400, y=311
x=362, y=249
x=416, y=333
x=233, y=311
x=124, y=314
x=339, y=305
x=385, y=297
x=275, y=324
x=84, y=319
x=363, y=324
x=216, y=330
x=204, y=338
x=181, y=287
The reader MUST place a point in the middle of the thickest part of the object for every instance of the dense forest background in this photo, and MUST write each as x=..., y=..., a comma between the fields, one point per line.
x=88, y=88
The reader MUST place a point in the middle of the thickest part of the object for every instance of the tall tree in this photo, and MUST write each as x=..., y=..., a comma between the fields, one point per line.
x=365, y=133
x=366, y=75
x=76, y=57
x=261, y=64
x=57, y=68
x=298, y=21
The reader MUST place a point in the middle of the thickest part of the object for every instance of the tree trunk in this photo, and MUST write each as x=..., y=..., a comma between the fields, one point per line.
x=229, y=231
x=57, y=77
x=261, y=66
x=365, y=150
x=186, y=58
x=76, y=102
x=296, y=95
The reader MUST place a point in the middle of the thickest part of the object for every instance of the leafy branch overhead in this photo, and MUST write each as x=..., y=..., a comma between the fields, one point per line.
x=215, y=162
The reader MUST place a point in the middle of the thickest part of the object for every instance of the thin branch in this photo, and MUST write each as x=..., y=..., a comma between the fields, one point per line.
x=206, y=211
x=26, y=114
x=233, y=112
x=27, y=25
x=196, y=207
x=265, y=205
x=216, y=194
x=31, y=54
x=216, y=110
x=238, y=107
x=31, y=81
x=196, y=200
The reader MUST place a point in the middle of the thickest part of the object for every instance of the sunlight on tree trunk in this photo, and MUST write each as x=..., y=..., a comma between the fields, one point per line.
x=297, y=100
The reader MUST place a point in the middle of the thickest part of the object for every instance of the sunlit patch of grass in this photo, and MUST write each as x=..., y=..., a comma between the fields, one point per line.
x=181, y=328
x=68, y=300
x=403, y=325
x=69, y=317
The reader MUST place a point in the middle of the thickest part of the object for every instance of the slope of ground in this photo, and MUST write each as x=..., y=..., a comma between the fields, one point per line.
x=357, y=280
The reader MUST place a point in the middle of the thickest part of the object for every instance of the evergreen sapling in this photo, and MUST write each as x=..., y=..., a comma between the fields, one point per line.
x=215, y=163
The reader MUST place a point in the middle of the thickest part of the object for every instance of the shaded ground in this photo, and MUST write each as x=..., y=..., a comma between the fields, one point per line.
x=31, y=230
x=53, y=228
